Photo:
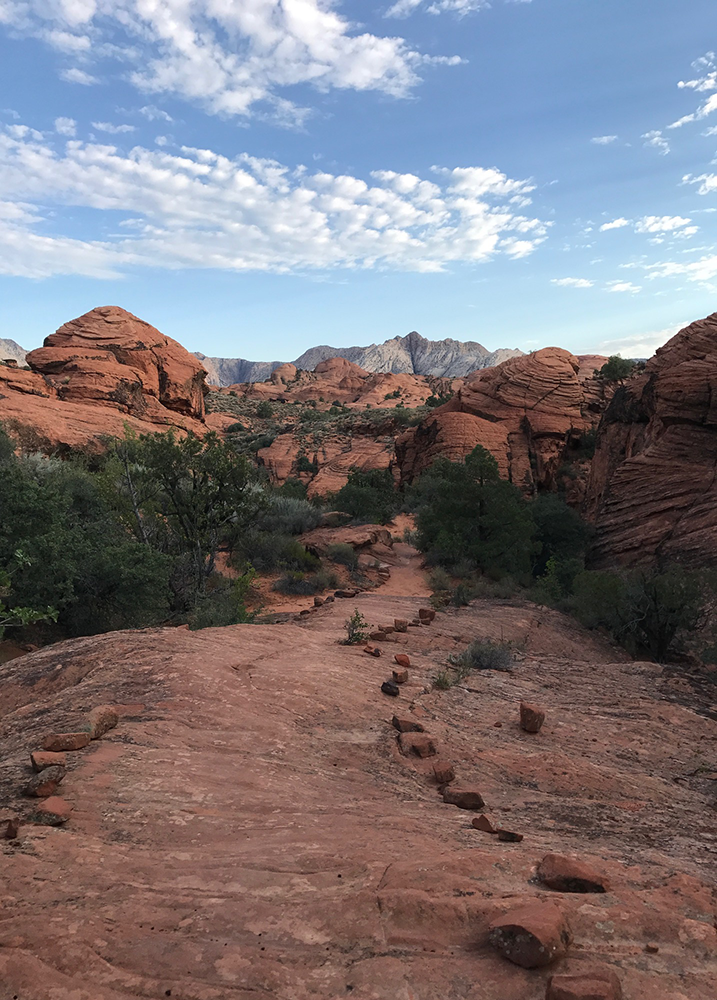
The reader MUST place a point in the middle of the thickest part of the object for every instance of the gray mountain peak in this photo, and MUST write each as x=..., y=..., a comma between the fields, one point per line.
x=412, y=355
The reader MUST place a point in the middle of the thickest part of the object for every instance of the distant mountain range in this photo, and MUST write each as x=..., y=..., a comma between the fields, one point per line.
x=412, y=355
x=10, y=351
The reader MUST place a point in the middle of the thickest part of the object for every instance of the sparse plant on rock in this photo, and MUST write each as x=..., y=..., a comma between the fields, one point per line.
x=484, y=654
x=357, y=629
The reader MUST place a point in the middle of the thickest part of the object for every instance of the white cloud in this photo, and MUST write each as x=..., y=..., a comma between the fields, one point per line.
x=712, y=130
x=707, y=182
x=623, y=286
x=233, y=58
x=705, y=109
x=112, y=129
x=639, y=345
x=661, y=223
x=155, y=114
x=572, y=282
x=603, y=140
x=702, y=270
x=615, y=224
x=656, y=140
x=66, y=126
x=402, y=8
x=198, y=209
x=75, y=75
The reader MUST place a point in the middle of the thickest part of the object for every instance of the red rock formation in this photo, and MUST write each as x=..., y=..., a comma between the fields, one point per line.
x=110, y=355
x=653, y=484
x=526, y=412
x=97, y=374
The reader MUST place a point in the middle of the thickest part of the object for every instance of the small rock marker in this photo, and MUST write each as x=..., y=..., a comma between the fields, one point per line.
x=9, y=825
x=400, y=675
x=531, y=936
x=419, y=744
x=570, y=875
x=509, y=837
x=58, y=742
x=426, y=614
x=464, y=798
x=444, y=772
x=102, y=719
x=53, y=811
x=483, y=823
x=400, y=624
x=40, y=759
x=372, y=650
x=406, y=725
x=598, y=983
x=532, y=717
x=402, y=659
x=390, y=687
x=45, y=783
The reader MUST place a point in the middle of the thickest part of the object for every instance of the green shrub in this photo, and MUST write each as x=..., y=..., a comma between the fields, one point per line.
x=616, y=369
x=296, y=582
x=264, y=409
x=224, y=604
x=642, y=609
x=357, y=629
x=443, y=680
x=483, y=654
x=369, y=496
x=343, y=553
x=289, y=515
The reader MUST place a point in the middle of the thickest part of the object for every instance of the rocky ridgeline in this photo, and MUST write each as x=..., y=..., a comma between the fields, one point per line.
x=410, y=355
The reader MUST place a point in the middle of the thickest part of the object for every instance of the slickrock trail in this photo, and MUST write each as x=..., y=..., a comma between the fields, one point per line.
x=251, y=830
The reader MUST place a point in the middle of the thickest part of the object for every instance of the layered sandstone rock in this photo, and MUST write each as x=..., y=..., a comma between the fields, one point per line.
x=527, y=412
x=96, y=375
x=110, y=355
x=653, y=484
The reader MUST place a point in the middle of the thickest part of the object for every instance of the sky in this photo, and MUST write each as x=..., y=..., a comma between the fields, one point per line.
x=255, y=177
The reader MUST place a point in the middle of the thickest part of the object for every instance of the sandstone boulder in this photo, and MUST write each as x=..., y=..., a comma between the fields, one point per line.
x=464, y=798
x=53, y=811
x=58, y=742
x=101, y=720
x=532, y=717
x=404, y=725
x=531, y=936
x=419, y=744
x=595, y=983
x=46, y=782
x=40, y=759
x=570, y=875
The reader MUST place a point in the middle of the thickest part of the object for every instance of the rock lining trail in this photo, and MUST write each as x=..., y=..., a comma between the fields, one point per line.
x=251, y=828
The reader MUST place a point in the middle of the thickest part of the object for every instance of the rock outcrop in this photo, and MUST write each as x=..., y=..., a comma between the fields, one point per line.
x=252, y=830
x=411, y=355
x=653, y=484
x=97, y=374
x=528, y=412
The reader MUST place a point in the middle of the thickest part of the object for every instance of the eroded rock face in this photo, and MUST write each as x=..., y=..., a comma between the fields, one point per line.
x=98, y=374
x=527, y=412
x=110, y=355
x=653, y=484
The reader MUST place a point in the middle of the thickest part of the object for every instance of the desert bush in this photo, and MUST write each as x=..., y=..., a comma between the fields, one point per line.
x=224, y=603
x=289, y=515
x=616, y=369
x=483, y=654
x=264, y=409
x=343, y=553
x=296, y=582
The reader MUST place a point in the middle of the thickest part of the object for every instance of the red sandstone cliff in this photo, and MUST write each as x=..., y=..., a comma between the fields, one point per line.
x=653, y=484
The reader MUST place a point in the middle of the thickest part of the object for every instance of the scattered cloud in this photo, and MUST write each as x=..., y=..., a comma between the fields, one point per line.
x=656, y=140
x=660, y=223
x=603, y=140
x=402, y=8
x=712, y=130
x=198, y=209
x=572, y=282
x=615, y=224
x=10, y=113
x=76, y=75
x=231, y=58
x=639, y=345
x=155, y=114
x=112, y=129
x=623, y=286
x=66, y=126
x=707, y=182
x=703, y=270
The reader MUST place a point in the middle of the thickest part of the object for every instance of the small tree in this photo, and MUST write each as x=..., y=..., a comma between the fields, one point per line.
x=10, y=617
x=616, y=369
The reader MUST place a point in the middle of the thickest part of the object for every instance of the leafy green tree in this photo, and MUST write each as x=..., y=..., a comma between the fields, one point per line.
x=560, y=531
x=642, y=609
x=19, y=616
x=464, y=510
x=616, y=368
x=369, y=496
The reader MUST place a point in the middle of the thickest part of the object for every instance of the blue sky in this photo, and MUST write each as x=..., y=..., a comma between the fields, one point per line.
x=255, y=177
